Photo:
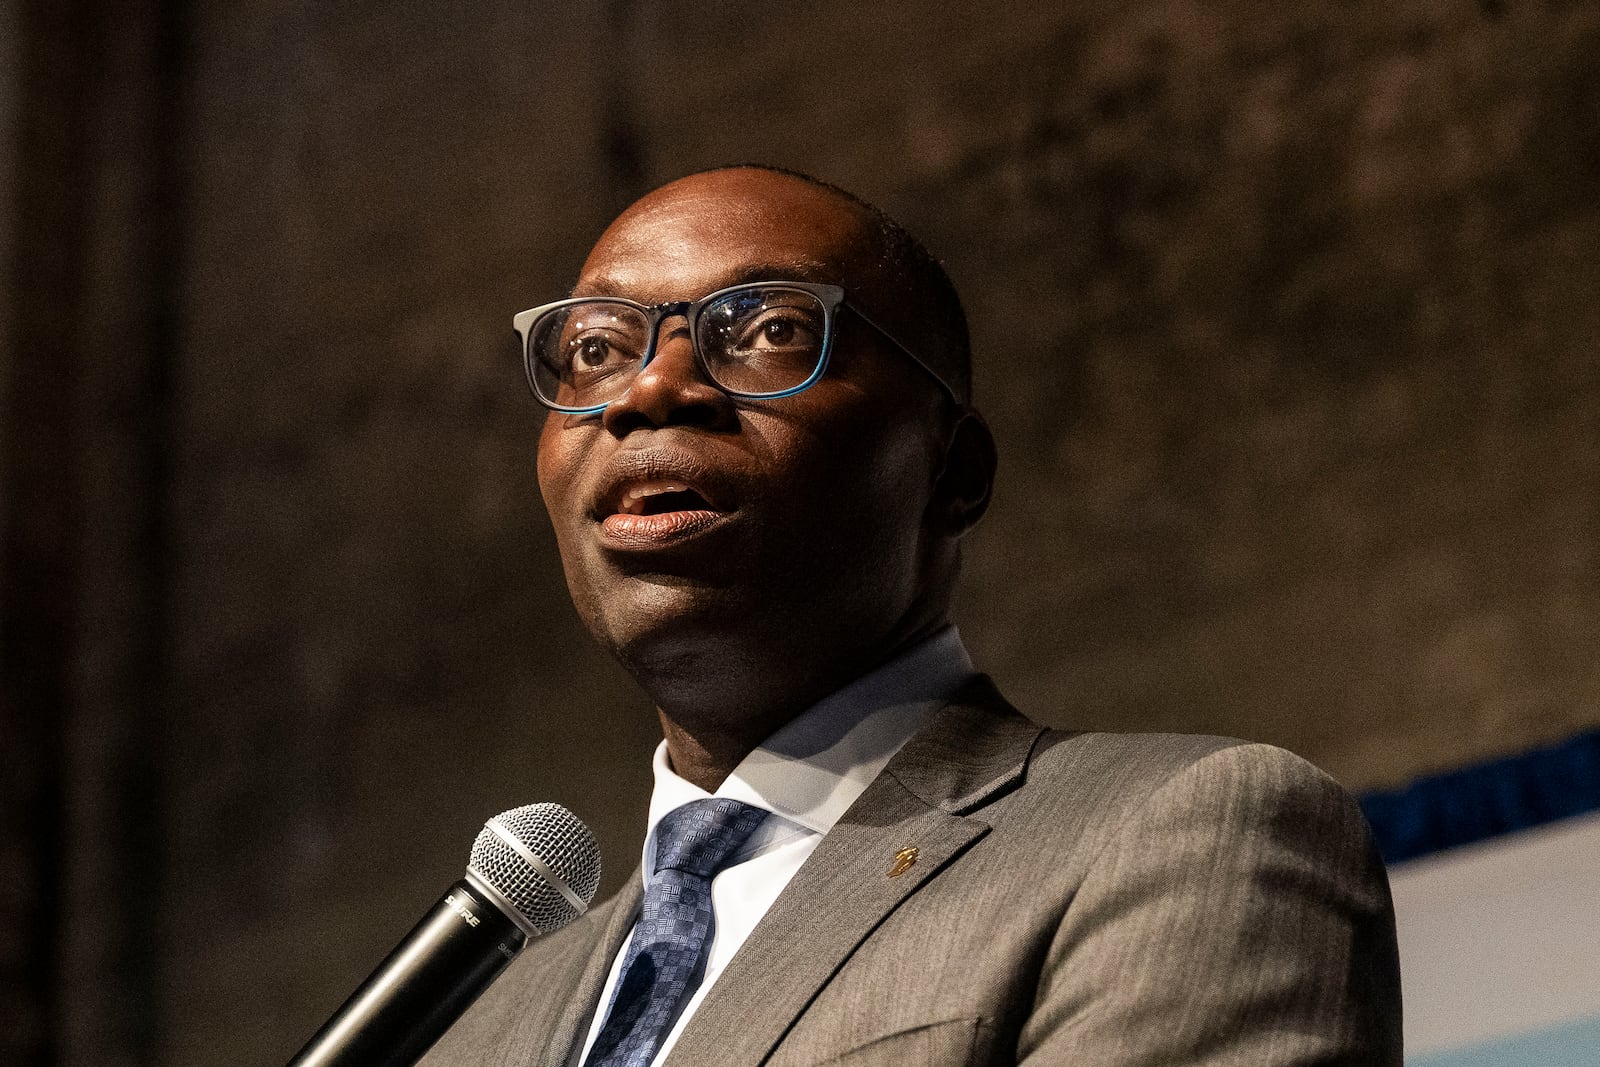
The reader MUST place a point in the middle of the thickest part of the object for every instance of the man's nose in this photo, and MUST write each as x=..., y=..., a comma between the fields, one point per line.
x=670, y=390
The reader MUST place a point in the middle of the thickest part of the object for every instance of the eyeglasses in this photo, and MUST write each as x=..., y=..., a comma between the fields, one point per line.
x=758, y=341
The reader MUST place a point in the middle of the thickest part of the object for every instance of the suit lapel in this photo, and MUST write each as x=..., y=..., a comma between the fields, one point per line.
x=974, y=749
x=567, y=1035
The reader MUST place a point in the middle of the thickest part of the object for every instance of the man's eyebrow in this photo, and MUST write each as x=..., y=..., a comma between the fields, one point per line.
x=798, y=269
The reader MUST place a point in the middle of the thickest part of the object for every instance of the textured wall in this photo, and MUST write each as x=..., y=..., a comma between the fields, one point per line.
x=1285, y=323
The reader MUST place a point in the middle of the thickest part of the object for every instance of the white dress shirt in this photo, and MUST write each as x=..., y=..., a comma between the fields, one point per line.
x=806, y=774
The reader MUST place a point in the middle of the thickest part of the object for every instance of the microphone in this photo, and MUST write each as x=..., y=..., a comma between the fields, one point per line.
x=533, y=869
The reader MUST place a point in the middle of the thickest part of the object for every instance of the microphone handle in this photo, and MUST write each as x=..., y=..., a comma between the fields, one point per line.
x=424, y=986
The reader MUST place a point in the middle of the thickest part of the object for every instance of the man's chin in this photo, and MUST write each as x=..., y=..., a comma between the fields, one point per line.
x=655, y=619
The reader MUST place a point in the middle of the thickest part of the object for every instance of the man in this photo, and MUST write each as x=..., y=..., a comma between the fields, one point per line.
x=760, y=461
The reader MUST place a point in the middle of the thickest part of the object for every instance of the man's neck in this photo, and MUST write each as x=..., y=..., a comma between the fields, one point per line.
x=704, y=749
x=704, y=758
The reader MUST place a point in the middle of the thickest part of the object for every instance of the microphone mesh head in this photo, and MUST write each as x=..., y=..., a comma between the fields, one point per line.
x=557, y=837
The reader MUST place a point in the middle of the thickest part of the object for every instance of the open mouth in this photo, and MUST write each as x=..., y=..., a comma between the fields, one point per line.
x=656, y=513
x=661, y=498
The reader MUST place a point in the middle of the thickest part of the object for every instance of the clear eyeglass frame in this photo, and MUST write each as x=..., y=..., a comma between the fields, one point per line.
x=830, y=297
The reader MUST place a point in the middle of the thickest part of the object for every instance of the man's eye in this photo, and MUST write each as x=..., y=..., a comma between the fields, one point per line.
x=779, y=330
x=592, y=352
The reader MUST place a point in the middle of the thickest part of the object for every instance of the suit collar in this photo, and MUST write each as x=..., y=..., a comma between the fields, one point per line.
x=975, y=749
x=814, y=767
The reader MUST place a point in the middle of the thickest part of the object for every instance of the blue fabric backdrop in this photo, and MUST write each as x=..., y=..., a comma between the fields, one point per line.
x=1480, y=802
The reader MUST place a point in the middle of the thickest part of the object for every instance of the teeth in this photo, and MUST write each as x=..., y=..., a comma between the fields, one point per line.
x=633, y=500
x=655, y=489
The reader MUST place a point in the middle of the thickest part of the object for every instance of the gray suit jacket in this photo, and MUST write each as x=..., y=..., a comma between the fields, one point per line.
x=1096, y=899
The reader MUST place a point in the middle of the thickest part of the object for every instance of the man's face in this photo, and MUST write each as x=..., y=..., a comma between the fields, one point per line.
x=748, y=548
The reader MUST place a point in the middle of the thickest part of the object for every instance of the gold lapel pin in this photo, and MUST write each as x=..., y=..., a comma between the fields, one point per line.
x=903, y=861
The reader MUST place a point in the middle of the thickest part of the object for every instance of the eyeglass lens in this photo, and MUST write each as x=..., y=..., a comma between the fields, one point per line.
x=757, y=340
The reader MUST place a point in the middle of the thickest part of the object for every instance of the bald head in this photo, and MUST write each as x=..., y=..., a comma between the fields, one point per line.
x=829, y=235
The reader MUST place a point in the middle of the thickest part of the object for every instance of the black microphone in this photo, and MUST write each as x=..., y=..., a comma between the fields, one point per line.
x=533, y=870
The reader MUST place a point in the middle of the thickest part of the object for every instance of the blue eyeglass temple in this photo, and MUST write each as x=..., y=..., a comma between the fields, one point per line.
x=945, y=386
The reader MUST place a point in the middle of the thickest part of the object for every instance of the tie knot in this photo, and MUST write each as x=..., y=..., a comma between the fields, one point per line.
x=699, y=837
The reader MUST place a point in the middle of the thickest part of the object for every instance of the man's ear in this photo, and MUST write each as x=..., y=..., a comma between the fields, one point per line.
x=961, y=493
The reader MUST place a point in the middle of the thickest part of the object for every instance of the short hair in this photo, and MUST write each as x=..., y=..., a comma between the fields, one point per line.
x=907, y=261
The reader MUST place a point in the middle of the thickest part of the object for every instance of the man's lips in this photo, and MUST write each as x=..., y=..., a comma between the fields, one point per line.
x=658, y=511
x=656, y=531
x=652, y=499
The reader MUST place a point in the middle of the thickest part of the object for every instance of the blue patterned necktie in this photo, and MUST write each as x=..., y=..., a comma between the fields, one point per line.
x=667, y=954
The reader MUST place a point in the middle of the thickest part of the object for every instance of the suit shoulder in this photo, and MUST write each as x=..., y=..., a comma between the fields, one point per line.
x=1125, y=761
x=1240, y=861
x=1129, y=771
x=1159, y=756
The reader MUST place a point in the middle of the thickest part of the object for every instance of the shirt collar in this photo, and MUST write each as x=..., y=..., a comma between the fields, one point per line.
x=814, y=767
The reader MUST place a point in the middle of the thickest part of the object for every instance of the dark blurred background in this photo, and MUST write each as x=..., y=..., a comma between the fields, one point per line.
x=1286, y=318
